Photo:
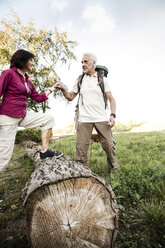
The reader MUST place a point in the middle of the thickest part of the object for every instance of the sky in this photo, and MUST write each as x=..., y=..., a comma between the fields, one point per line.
x=127, y=36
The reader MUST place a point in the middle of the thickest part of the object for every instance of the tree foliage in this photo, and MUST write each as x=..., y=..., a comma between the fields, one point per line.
x=51, y=48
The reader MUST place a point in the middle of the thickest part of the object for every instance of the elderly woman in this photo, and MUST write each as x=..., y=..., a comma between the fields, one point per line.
x=15, y=88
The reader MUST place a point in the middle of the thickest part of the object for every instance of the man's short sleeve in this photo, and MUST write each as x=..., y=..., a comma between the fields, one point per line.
x=75, y=87
x=106, y=85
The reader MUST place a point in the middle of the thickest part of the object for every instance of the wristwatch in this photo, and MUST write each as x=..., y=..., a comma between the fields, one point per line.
x=113, y=114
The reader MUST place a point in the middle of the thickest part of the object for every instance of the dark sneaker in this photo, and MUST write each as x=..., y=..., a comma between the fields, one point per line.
x=1, y=199
x=58, y=154
x=50, y=153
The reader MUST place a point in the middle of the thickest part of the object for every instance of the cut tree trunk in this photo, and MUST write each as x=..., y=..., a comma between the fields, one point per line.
x=68, y=206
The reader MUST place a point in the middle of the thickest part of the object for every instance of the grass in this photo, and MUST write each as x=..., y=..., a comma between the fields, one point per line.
x=12, y=217
x=139, y=188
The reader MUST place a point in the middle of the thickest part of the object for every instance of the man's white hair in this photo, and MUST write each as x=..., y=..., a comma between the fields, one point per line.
x=91, y=56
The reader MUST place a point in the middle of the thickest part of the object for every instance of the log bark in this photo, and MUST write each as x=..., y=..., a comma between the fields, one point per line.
x=68, y=206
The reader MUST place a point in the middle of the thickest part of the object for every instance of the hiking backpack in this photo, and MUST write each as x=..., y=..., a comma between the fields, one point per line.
x=102, y=72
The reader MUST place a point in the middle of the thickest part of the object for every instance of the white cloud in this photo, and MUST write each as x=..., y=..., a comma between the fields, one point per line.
x=67, y=26
x=58, y=5
x=100, y=21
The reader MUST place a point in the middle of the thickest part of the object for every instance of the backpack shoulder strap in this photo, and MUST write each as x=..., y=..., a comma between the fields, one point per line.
x=79, y=82
x=100, y=75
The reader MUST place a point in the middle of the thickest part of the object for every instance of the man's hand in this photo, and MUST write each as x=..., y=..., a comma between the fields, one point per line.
x=53, y=88
x=68, y=95
x=111, y=121
x=59, y=86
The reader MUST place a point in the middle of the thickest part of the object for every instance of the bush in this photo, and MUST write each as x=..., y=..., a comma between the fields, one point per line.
x=125, y=127
x=152, y=219
x=28, y=134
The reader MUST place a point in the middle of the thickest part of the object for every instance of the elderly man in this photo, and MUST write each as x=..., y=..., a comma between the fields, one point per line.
x=92, y=112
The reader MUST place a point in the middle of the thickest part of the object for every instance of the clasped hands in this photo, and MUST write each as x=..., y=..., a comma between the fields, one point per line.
x=57, y=87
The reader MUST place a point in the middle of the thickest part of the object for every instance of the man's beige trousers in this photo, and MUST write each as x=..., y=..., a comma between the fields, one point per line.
x=84, y=132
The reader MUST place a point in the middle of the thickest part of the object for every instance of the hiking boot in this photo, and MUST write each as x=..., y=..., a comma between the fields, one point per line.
x=50, y=153
x=1, y=199
x=116, y=166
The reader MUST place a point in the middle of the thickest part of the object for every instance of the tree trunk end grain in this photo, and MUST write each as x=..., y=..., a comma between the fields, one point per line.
x=68, y=206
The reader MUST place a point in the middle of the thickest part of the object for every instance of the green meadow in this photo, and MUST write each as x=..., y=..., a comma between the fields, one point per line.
x=139, y=187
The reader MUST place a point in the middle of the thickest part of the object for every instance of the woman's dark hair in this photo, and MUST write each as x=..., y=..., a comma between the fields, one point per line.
x=20, y=58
